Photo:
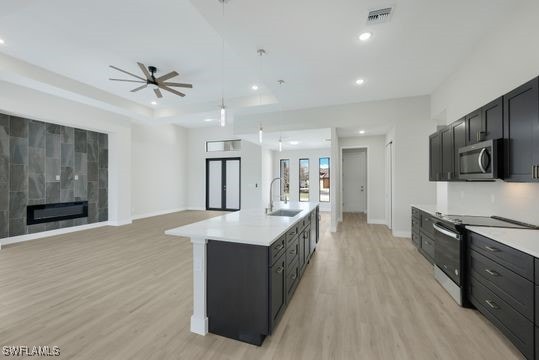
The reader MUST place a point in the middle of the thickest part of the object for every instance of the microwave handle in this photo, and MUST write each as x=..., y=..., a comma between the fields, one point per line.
x=480, y=160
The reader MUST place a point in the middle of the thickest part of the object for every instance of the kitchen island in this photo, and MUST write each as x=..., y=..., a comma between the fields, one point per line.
x=246, y=267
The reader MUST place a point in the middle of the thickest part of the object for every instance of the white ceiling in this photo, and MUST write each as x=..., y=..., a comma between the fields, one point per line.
x=311, y=44
x=306, y=139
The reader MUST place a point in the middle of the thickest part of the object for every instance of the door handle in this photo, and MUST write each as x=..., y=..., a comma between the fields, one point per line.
x=490, y=272
x=492, y=304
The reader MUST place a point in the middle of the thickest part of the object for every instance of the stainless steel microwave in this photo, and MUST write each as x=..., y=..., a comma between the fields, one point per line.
x=481, y=161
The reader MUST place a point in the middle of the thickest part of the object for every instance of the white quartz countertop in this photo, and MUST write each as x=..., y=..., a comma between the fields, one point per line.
x=431, y=209
x=525, y=240
x=247, y=226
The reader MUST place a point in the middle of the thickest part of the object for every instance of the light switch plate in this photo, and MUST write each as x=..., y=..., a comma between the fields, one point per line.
x=76, y=177
x=57, y=177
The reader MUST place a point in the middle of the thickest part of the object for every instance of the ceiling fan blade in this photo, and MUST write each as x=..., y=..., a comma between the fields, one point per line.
x=171, y=90
x=190, y=86
x=133, y=81
x=144, y=71
x=127, y=72
x=139, y=88
x=158, y=93
x=170, y=75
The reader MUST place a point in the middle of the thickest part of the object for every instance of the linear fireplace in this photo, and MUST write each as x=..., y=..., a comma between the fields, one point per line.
x=37, y=214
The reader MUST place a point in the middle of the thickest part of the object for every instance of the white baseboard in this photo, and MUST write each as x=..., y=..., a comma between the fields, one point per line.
x=120, y=222
x=402, y=233
x=376, y=221
x=43, y=234
x=156, y=213
x=196, y=208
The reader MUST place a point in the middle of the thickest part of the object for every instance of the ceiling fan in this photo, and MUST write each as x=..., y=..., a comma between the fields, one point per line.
x=157, y=83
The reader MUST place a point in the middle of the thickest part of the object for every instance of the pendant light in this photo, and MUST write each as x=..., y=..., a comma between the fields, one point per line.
x=260, y=134
x=280, y=144
x=223, y=107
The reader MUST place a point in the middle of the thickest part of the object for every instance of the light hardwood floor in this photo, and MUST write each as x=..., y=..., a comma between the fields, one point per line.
x=126, y=293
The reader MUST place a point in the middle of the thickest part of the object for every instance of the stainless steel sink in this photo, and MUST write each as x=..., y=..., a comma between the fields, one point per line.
x=285, y=212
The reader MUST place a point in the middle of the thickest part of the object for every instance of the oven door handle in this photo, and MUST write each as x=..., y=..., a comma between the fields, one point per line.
x=446, y=232
x=480, y=160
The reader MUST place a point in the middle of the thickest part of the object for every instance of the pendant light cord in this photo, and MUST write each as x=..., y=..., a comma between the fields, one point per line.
x=223, y=57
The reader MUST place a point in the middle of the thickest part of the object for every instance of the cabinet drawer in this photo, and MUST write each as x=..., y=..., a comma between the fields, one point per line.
x=276, y=249
x=427, y=245
x=512, y=288
x=426, y=223
x=291, y=234
x=536, y=279
x=292, y=279
x=537, y=306
x=415, y=212
x=515, y=260
x=515, y=326
x=415, y=224
x=292, y=252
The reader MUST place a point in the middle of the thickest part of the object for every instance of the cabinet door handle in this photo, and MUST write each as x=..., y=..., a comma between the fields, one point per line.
x=535, y=171
x=294, y=276
x=279, y=247
x=492, y=304
x=280, y=269
x=491, y=249
x=293, y=252
x=490, y=272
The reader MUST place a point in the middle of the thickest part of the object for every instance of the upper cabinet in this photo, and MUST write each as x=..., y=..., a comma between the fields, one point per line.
x=513, y=117
x=435, y=157
x=521, y=133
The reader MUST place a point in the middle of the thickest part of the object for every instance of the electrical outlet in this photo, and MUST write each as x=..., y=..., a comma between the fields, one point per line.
x=57, y=177
x=76, y=177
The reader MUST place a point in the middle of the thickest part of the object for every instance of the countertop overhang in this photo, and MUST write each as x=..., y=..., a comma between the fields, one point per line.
x=247, y=226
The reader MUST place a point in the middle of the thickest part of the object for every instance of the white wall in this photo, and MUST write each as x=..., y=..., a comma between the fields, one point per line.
x=503, y=60
x=375, y=174
x=251, y=166
x=33, y=104
x=159, y=170
x=294, y=155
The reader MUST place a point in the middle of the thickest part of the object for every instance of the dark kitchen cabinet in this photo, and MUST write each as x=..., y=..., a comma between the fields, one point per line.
x=521, y=133
x=459, y=140
x=277, y=290
x=249, y=286
x=474, y=127
x=435, y=157
x=448, y=154
x=492, y=120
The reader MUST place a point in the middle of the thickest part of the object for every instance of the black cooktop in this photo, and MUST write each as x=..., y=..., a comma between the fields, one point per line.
x=492, y=221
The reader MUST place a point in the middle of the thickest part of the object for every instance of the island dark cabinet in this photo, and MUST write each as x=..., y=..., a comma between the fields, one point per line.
x=435, y=157
x=521, y=133
x=249, y=286
x=277, y=290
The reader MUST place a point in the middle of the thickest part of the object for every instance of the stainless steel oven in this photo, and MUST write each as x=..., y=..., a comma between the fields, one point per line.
x=481, y=161
x=449, y=261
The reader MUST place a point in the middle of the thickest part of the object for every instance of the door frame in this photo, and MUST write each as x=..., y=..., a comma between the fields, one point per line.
x=342, y=148
x=223, y=182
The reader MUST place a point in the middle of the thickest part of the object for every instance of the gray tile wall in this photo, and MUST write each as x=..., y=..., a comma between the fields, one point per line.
x=47, y=163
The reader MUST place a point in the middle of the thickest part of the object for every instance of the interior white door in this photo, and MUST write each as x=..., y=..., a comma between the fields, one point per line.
x=232, y=186
x=389, y=185
x=215, y=184
x=354, y=174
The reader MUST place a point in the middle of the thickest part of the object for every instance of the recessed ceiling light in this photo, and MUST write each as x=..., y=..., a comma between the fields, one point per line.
x=360, y=81
x=294, y=142
x=254, y=87
x=154, y=102
x=208, y=120
x=362, y=131
x=365, y=36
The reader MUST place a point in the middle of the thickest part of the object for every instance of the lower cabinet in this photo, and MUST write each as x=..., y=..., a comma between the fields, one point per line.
x=423, y=233
x=427, y=247
x=250, y=286
x=501, y=286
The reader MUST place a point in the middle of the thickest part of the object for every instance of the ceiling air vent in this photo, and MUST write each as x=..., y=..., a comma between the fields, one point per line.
x=379, y=15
